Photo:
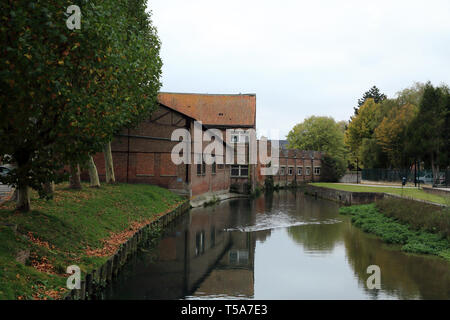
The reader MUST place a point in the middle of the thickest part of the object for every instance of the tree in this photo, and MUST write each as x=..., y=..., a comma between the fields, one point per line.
x=429, y=131
x=142, y=81
x=412, y=95
x=373, y=93
x=331, y=170
x=64, y=93
x=359, y=136
x=392, y=136
x=320, y=134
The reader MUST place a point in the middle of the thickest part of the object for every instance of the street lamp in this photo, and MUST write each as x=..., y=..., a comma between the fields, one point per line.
x=357, y=175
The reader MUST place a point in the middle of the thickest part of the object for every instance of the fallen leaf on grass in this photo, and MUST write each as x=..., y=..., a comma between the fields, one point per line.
x=39, y=242
x=112, y=244
x=42, y=264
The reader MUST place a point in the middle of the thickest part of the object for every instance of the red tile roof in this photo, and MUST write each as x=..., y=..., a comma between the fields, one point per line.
x=236, y=110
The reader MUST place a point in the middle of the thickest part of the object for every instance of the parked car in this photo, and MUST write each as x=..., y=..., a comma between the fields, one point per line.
x=428, y=178
x=4, y=170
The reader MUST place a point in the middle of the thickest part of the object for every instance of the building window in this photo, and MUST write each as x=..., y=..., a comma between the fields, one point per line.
x=299, y=171
x=239, y=171
x=282, y=171
x=199, y=243
x=239, y=137
x=317, y=171
x=238, y=257
x=307, y=171
x=220, y=166
x=290, y=171
x=201, y=169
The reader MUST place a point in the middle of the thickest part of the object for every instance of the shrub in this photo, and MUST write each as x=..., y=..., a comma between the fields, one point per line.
x=420, y=216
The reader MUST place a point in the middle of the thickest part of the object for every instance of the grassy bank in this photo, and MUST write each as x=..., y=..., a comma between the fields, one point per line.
x=405, y=192
x=394, y=223
x=79, y=228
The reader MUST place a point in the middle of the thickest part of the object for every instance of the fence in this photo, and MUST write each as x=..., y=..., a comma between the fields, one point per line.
x=396, y=175
x=351, y=177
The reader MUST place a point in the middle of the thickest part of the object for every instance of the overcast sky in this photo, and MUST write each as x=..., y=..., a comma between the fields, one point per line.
x=302, y=58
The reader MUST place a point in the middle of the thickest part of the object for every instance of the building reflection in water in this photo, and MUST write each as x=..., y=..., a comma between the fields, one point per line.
x=195, y=257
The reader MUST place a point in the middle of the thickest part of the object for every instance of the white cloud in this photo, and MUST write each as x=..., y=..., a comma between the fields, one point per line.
x=302, y=58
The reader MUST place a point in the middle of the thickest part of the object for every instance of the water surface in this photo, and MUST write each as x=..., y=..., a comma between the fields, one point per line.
x=281, y=246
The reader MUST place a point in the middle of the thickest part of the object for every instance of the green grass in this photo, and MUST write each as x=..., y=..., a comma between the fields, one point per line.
x=391, y=230
x=406, y=192
x=70, y=223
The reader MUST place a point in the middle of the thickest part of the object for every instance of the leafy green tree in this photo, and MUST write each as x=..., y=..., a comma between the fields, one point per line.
x=371, y=155
x=392, y=134
x=429, y=130
x=412, y=95
x=320, y=134
x=331, y=170
x=360, y=138
x=64, y=93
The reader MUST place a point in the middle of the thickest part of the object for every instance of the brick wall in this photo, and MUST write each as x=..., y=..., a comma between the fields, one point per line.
x=294, y=159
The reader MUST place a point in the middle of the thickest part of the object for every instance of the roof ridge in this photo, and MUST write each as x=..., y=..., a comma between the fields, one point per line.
x=211, y=94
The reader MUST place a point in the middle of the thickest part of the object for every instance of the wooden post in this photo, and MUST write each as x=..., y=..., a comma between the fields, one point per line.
x=89, y=284
x=109, y=265
x=115, y=265
x=83, y=290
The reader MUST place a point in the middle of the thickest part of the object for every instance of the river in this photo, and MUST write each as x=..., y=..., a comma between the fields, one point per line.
x=281, y=246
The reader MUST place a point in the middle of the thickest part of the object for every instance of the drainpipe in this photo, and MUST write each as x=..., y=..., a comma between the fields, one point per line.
x=303, y=168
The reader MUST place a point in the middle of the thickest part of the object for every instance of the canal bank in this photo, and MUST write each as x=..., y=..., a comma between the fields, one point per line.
x=417, y=225
x=341, y=196
x=82, y=228
x=285, y=245
x=98, y=279
x=349, y=194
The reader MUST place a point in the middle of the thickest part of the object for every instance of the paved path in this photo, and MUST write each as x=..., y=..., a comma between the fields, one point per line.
x=5, y=192
x=377, y=185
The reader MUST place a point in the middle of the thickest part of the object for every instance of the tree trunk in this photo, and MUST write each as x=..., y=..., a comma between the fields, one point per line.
x=109, y=167
x=434, y=169
x=49, y=187
x=93, y=173
x=23, y=199
x=74, y=180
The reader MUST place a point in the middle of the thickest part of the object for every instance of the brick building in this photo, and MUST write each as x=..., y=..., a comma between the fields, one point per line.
x=294, y=166
x=232, y=115
x=143, y=154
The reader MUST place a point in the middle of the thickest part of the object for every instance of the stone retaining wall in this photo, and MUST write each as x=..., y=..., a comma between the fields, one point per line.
x=440, y=192
x=344, y=197
x=352, y=198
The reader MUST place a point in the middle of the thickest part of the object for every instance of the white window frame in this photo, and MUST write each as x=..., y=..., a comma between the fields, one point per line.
x=307, y=171
x=290, y=171
x=299, y=169
x=241, y=166
x=240, y=136
x=316, y=174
